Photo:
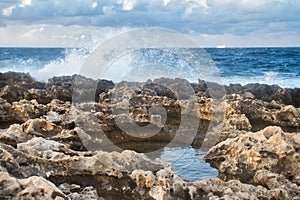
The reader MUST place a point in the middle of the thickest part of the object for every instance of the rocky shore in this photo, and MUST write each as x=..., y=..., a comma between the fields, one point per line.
x=65, y=139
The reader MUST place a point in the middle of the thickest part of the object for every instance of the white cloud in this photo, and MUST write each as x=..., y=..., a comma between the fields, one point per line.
x=88, y=36
x=94, y=5
x=207, y=17
x=25, y=3
x=31, y=32
x=166, y=2
x=8, y=11
x=128, y=5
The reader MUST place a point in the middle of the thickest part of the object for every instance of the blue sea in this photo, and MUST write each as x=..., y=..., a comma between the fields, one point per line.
x=279, y=66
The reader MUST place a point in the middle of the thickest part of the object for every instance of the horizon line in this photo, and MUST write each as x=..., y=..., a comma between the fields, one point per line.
x=216, y=47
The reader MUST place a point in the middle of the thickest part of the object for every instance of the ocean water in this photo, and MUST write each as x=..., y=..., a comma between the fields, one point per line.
x=279, y=66
x=190, y=165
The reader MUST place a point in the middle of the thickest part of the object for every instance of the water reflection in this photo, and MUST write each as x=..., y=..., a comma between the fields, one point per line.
x=190, y=165
x=187, y=162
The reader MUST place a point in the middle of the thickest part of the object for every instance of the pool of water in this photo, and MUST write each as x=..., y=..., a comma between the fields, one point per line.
x=188, y=163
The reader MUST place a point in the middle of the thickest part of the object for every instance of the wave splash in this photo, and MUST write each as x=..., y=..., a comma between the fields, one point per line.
x=47, y=63
x=44, y=63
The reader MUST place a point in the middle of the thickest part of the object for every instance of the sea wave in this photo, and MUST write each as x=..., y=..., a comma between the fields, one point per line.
x=42, y=69
x=43, y=64
x=270, y=78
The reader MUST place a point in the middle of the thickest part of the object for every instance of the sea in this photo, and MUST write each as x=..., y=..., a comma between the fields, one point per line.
x=280, y=66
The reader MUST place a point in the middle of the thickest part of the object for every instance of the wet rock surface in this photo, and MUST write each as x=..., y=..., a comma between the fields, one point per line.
x=56, y=139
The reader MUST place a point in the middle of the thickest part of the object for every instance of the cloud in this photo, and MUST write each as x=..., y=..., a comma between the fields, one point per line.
x=25, y=3
x=31, y=32
x=94, y=5
x=90, y=36
x=128, y=5
x=205, y=16
x=211, y=17
x=8, y=11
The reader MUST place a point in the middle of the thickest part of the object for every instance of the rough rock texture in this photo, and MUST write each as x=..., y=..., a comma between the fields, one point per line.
x=4, y=111
x=262, y=114
x=125, y=175
x=30, y=188
x=269, y=157
x=268, y=93
x=52, y=148
x=17, y=86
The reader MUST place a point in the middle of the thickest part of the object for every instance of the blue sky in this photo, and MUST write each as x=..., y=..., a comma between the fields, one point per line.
x=210, y=22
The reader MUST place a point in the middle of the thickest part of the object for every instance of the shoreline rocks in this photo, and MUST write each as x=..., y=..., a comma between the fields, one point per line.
x=53, y=148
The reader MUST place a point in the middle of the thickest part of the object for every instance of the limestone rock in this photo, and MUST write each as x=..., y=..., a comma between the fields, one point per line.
x=24, y=110
x=43, y=148
x=261, y=114
x=278, y=184
x=13, y=135
x=41, y=128
x=5, y=115
x=29, y=188
x=241, y=157
x=76, y=192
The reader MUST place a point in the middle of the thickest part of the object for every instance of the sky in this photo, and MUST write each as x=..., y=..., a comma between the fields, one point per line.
x=72, y=23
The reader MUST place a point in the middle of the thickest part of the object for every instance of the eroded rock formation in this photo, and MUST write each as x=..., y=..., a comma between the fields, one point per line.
x=55, y=148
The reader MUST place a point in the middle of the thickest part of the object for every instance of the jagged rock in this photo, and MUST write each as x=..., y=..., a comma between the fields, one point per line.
x=262, y=114
x=58, y=106
x=76, y=139
x=14, y=85
x=41, y=128
x=106, y=171
x=41, y=95
x=5, y=115
x=13, y=135
x=75, y=192
x=127, y=175
x=248, y=95
x=241, y=157
x=278, y=184
x=296, y=141
x=43, y=148
x=261, y=91
x=29, y=188
x=102, y=87
x=288, y=96
x=97, y=163
x=12, y=93
x=235, y=121
x=24, y=110
x=59, y=140
x=102, y=174
x=167, y=185
x=234, y=189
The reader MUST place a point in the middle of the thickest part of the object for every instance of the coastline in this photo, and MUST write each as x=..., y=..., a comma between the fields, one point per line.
x=256, y=152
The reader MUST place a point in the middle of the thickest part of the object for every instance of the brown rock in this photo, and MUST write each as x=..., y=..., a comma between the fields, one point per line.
x=5, y=115
x=241, y=157
x=24, y=110
x=29, y=188
x=41, y=128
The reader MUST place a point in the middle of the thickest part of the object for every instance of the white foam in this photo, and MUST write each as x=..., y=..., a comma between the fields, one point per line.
x=70, y=65
x=270, y=78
